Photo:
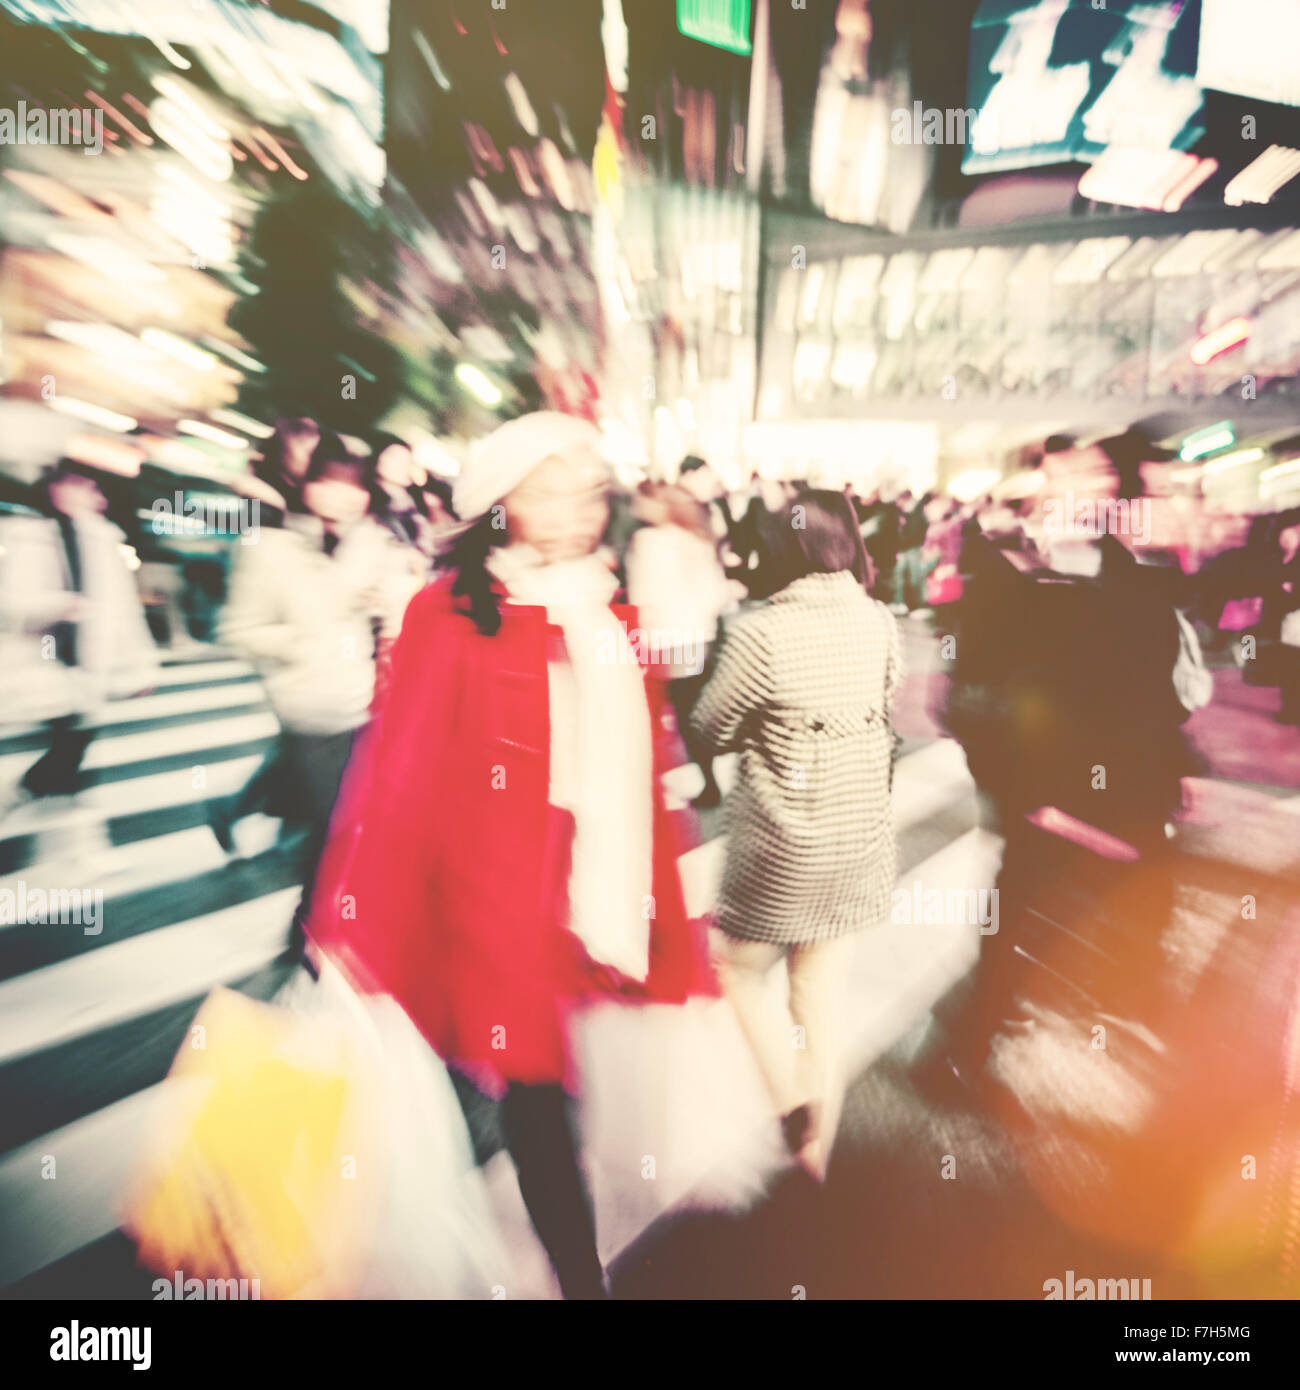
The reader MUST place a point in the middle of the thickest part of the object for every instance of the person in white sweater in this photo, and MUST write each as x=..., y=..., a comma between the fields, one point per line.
x=73, y=633
x=676, y=580
x=311, y=605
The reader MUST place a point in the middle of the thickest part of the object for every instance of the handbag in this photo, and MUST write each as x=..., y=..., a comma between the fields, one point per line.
x=1193, y=683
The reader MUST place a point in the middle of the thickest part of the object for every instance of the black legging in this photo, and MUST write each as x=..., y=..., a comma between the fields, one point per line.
x=307, y=779
x=684, y=694
x=58, y=772
x=538, y=1133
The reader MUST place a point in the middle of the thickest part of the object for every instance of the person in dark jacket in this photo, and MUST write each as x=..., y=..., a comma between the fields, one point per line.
x=1281, y=619
x=1064, y=701
x=909, y=573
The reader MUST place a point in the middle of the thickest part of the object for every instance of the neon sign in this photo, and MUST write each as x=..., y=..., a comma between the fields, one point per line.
x=720, y=23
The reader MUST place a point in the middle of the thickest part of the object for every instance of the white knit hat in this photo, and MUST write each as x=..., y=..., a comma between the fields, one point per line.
x=499, y=463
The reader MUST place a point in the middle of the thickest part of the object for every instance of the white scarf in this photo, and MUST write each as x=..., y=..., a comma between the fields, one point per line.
x=601, y=757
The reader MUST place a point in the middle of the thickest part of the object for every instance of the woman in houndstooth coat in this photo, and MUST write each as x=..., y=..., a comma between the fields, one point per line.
x=802, y=691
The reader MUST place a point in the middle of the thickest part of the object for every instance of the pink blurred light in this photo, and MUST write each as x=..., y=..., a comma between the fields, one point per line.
x=1057, y=822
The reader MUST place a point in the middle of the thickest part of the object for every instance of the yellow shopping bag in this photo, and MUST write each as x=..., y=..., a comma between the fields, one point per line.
x=263, y=1167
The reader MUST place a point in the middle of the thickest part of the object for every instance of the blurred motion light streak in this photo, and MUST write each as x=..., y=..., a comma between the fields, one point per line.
x=1219, y=340
x=200, y=430
x=1222, y=465
x=1207, y=441
x=178, y=348
x=1261, y=179
x=93, y=414
x=237, y=420
x=477, y=382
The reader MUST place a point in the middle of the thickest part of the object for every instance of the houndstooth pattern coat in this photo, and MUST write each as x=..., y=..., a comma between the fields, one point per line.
x=802, y=691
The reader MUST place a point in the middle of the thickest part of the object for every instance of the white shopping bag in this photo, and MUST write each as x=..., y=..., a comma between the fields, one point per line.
x=434, y=1235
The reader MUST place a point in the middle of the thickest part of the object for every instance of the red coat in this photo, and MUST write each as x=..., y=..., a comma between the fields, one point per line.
x=445, y=881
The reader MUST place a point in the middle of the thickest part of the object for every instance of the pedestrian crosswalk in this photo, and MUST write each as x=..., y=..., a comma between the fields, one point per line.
x=89, y=1022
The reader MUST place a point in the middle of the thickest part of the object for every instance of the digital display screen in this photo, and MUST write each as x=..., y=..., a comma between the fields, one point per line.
x=1060, y=81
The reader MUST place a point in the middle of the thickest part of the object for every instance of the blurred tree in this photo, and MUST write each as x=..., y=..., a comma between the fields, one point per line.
x=429, y=384
x=321, y=266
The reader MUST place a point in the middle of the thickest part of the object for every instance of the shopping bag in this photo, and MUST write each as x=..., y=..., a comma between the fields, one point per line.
x=264, y=1164
x=316, y=1144
x=1193, y=683
x=432, y=1232
x=435, y=1234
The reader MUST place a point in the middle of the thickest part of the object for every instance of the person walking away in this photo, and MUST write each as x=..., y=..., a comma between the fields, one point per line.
x=803, y=692
x=503, y=853
x=942, y=555
x=880, y=533
x=909, y=573
x=1282, y=613
x=675, y=579
x=1082, y=792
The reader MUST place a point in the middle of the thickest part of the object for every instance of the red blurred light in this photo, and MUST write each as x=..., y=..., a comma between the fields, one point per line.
x=1220, y=339
x=110, y=110
x=277, y=149
x=1057, y=822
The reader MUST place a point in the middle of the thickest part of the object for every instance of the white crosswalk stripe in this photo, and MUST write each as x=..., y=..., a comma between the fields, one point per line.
x=157, y=791
x=126, y=979
x=202, y=672
x=167, y=704
x=143, y=864
x=189, y=739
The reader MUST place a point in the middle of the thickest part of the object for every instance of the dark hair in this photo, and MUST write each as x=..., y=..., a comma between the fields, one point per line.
x=331, y=452
x=468, y=558
x=690, y=463
x=270, y=465
x=71, y=468
x=63, y=470
x=815, y=532
x=379, y=440
x=441, y=489
x=381, y=501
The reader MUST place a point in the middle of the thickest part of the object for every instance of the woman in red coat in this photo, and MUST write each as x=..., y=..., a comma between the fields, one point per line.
x=502, y=851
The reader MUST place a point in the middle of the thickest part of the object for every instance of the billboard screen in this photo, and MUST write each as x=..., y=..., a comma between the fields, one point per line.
x=1060, y=81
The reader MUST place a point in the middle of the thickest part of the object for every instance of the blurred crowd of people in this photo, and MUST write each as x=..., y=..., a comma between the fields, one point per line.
x=472, y=734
